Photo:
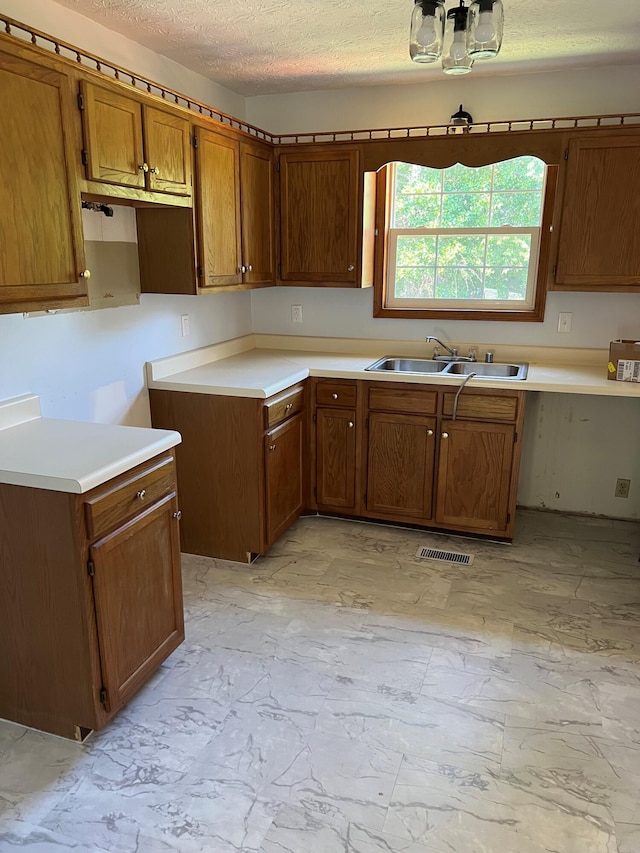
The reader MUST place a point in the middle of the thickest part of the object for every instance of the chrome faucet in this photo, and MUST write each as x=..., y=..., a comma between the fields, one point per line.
x=453, y=352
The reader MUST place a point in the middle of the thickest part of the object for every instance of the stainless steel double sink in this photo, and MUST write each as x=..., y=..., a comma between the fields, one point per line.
x=481, y=370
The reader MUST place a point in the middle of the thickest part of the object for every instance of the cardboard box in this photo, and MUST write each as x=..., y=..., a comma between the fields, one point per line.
x=624, y=361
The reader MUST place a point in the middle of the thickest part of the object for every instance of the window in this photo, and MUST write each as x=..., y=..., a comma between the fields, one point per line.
x=464, y=239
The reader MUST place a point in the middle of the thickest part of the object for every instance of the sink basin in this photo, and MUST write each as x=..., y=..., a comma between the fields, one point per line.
x=408, y=365
x=495, y=370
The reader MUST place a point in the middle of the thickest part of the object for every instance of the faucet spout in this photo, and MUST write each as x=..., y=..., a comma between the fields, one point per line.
x=453, y=352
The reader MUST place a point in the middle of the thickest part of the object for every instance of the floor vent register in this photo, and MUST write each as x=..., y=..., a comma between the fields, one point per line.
x=444, y=556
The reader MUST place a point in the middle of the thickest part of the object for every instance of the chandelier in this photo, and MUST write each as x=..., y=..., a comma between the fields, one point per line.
x=459, y=36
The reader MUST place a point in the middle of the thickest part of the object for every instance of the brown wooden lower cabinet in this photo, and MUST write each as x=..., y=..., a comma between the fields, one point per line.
x=283, y=476
x=92, y=597
x=336, y=459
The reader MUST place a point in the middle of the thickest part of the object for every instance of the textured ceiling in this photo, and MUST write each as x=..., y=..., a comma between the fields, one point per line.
x=258, y=47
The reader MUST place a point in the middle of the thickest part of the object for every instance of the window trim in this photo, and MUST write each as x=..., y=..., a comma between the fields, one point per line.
x=534, y=314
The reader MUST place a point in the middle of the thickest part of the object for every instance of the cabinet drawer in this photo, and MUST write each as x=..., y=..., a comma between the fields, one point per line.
x=482, y=407
x=417, y=401
x=336, y=394
x=279, y=408
x=126, y=498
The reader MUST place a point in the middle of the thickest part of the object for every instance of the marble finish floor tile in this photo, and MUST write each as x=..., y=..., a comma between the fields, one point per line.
x=341, y=694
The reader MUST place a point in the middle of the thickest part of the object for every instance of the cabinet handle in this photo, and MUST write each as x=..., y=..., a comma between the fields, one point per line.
x=429, y=432
x=350, y=424
x=445, y=435
x=141, y=495
x=288, y=406
x=154, y=170
x=85, y=274
x=334, y=396
x=350, y=268
x=143, y=167
x=177, y=515
x=272, y=447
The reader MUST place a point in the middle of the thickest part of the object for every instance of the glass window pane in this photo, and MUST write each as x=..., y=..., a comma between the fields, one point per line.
x=461, y=251
x=414, y=283
x=417, y=179
x=464, y=179
x=521, y=173
x=505, y=283
x=521, y=210
x=465, y=210
x=417, y=211
x=459, y=283
x=416, y=252
x=513, y=250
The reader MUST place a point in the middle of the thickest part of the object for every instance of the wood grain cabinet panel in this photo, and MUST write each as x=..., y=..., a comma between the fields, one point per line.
x=401, y=454
x=283, y=475
x=599, y=242
x=257, y=214
x=42, y=249
x=168, y=151
x=336, y=458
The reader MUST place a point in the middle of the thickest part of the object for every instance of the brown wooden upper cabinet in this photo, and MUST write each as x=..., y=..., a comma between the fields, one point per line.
x=320, y=212
x=234, y=211
x=599, y=240
x=41, y=245
x=134, y=145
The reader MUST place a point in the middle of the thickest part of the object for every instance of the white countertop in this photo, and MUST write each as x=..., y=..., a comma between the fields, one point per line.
x=258, y=371
x=70, y=456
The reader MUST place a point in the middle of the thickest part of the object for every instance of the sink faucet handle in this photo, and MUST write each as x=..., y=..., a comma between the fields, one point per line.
x=473, y=353
x=454, y=352
x=436, y=351
x=488, y=357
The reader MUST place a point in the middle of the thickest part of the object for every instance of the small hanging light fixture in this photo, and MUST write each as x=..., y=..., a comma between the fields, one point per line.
x=459, y=36
x=461, y=121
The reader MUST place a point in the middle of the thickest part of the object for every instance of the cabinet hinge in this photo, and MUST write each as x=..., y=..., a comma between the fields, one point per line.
x=278, y=166
x=80, y=101
x=515, y=437
x=366, y=422
x=365, y=498
x=91, y=568
x=195, y=141
x=315, y=493
x=103, y=695
x=85, y=157
x=555, y=269
x=566, y=153
x=315, y=419
x=200, y=272
x=279, y=269
x=508, y=517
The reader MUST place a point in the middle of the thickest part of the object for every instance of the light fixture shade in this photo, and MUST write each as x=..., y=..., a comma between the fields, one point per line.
x=427, y=31
x=485, y=26
x=455, y=57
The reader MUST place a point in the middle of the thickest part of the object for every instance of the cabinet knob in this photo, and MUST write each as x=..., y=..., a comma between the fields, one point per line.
x=350, y=268
x=445, y=435
x=272, y=447
x=350, y=424
x=334, y=396
x=141, y=495
x=288, y=406
x=85, y=274
x=429, y=432
x=177, y=515
x=249, y=268
x=143, y=167
x=154, y=170
x=242, y=269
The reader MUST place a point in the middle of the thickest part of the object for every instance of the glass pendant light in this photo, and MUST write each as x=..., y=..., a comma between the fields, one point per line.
x=455, y=58
x=484, y=29
x=427, y=30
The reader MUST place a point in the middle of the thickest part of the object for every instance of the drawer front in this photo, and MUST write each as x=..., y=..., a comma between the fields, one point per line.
x=280, y=408
x=417, y=401
x=114, y=505
x=336, y=394
x=482, y=407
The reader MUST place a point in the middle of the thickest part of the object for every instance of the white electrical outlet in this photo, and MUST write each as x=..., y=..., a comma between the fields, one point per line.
x=184, y=325
x=564, y=322
x=296, y=313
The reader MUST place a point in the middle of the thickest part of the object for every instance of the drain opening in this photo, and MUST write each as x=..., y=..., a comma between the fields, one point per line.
x=444, y=556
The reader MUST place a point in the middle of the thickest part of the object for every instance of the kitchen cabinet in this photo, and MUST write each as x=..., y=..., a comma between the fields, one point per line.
x=234, y=211
x=42, y=257
x=337, y=438
x=599, y=239
x=240, y=468
x=321, y=218
x=133, y=144
x=93, y=599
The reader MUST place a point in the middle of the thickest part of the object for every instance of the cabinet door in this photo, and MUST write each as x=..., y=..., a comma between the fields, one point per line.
x=474, y=475
x=319, y=216
x=336, y=458
x=400, y=465
x=137, y=588
x=283, y=469
x=113, y=137
x=41, y=245
x=168, y=152
x=256, y=184
x=599, y=243
x=218, y=207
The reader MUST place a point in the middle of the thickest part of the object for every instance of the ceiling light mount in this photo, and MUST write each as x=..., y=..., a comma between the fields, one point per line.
x=458, y=36
x=461, y=121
